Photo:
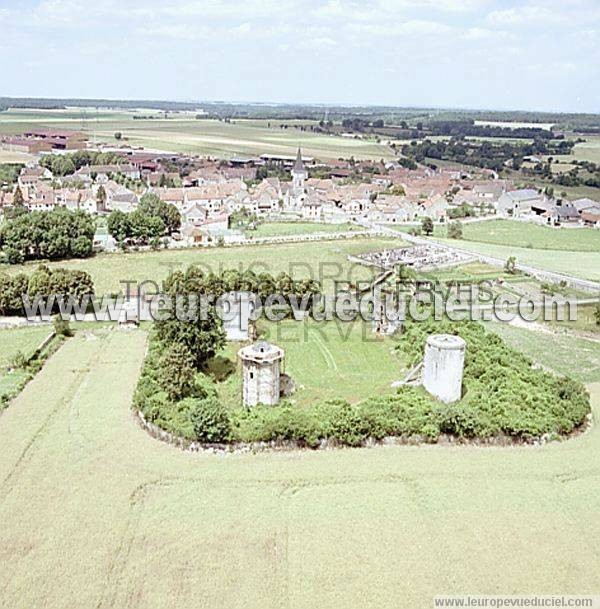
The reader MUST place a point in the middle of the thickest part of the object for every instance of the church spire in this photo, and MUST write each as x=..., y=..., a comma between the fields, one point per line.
x=299, y=165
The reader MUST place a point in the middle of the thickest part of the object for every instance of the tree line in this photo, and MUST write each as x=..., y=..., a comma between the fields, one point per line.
x=43, y=282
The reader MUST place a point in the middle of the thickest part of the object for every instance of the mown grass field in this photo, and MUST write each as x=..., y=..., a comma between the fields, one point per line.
x=564, y=354
x=326, y=260
x=326, y=360
x=96, y=513
x=528, y=235
x=273, y=229
x=585, y=265
x=184, y=133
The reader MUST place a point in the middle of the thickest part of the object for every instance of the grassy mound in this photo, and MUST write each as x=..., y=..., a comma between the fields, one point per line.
x=505, y=395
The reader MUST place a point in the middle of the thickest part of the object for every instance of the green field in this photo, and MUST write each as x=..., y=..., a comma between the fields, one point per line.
x=204, y=137
x=25, y=339
x=528, y=235
x=585, y=265
x=300, y=259
x=275, y=229
x=12, y=341
x=564, y=354
x=95, y=513
x=326, y=360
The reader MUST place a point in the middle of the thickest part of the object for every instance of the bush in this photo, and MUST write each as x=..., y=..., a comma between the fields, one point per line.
x=61, y=326
x=455, y=230
x=210, y=420
x=18, y=360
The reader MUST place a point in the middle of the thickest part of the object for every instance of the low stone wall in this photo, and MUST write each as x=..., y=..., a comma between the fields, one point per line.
x=43, y=345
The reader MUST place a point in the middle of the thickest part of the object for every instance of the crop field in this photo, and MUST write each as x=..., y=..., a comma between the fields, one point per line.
x=322, y=259
x=326, y=360
x=585, y=151
x=187, y=134
x=272, y=229
x=96, y=513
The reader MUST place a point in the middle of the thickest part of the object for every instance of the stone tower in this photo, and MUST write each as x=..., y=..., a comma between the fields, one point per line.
x=443, y=366
x=299, y=174
x=261, y=372
x=236, y=309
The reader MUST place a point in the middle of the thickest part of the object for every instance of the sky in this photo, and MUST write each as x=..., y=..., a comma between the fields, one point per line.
x=488, y=54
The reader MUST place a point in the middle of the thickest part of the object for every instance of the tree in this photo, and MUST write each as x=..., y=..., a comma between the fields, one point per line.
x=455, y=230
x=152, y=205
x=118, y=225
x=427, y=226
x=176, y=371
x=203, y=335
x=210, y=420
x=101, y=198
x=18, y=197
x=510, y=266
x=118, y=135
x=597, y=313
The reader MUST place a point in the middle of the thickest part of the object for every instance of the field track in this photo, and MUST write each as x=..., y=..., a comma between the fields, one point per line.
x=96, y=514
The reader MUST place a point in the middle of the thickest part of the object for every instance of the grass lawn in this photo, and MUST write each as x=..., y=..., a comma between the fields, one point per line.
x=327, y=360
x=96, y=513
x=271, y=229
x=323, y=259
x=186, y=134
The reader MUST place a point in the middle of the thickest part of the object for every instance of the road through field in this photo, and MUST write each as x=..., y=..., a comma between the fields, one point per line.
x=96, y=514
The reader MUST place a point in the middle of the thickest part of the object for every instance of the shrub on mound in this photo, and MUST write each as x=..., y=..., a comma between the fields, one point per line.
x=210, y=420
x=505, y=393
x=504, y=396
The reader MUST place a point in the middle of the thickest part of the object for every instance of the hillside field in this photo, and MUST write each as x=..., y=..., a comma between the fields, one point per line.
x=130, y=522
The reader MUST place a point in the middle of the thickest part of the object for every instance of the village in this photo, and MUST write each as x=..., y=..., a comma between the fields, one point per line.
x=218, y=198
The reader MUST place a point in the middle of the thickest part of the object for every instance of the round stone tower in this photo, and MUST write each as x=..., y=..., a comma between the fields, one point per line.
x=443, y=366
x=261, y=371
x=236, y=309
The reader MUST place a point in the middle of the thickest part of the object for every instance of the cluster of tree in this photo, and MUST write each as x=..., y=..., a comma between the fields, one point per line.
x=66, y=164
x=152, y=220
x=483, y=154
x=188, y=344
x=51, y=235
x=360, y=124
x=9, y=173
x=272, y=170
x=195, y=281
x=464, y=210
x=43, y=282
x=462, y=128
